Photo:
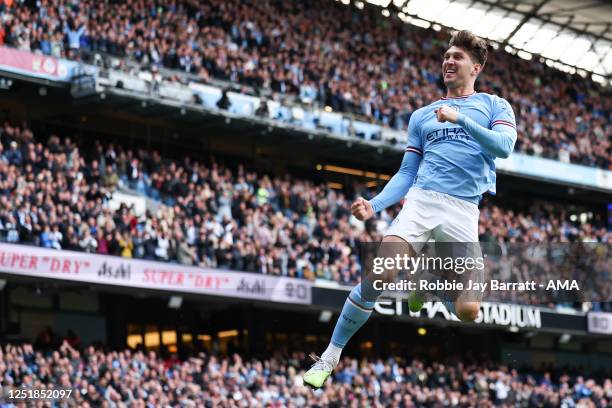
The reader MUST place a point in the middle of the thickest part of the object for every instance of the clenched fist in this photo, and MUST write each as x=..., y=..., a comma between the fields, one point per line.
x=362, y=209
x=446, y=114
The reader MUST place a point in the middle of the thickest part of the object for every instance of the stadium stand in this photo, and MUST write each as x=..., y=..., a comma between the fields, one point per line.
x=63, y=178
x=294, y=49
x=55, y=194
x=98, y=377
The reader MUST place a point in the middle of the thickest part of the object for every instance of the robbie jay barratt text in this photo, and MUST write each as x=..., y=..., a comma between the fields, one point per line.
x=473, y=285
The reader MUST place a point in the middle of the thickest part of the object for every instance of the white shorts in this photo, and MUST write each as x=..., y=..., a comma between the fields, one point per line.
x=429, y=215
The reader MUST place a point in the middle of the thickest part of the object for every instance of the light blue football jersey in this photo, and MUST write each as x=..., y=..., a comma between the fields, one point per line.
x=453, y=162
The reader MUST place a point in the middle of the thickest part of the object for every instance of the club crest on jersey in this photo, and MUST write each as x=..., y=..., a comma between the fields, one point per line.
x=455, y=107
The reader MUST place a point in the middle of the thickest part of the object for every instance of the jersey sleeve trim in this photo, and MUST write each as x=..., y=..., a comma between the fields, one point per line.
x=503, y=122
x=414, y=150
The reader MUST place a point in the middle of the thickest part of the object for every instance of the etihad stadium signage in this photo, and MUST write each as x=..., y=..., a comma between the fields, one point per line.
x=500, y=314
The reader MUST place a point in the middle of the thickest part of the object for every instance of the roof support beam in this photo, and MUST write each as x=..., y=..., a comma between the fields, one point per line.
x=601, y=60
x=572, y=9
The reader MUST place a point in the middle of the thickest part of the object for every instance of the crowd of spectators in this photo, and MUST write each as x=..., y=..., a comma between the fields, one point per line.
x=56, y=195
x=144, y=379
x=321, y=52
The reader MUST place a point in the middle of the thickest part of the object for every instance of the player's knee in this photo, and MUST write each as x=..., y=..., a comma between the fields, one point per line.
x=467, y=311
x=367, y=292
x=394, y=238
x=397, y=245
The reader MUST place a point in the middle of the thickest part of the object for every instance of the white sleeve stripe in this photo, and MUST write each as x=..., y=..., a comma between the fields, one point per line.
x=503, y=122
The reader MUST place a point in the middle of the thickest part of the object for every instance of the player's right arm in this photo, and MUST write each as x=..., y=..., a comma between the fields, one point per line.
x=401, y=182
x=500, y=139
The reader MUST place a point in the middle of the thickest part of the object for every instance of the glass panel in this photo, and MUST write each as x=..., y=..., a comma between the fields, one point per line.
x=558, y=46
x=471, y=18
x=488, y=24
x=541, y=39
x=602, y=48
x=505, y=27
x=434, y=9
x=451, y=16
x=576, y=50
x=382, y=3
x=600, y=79
x=607, y=64
x=415, y=6
x=525, y=33
x=588, y=61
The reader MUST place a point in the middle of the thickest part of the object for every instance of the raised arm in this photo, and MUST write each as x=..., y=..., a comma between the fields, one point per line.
x=498, y=141
x=399, y=184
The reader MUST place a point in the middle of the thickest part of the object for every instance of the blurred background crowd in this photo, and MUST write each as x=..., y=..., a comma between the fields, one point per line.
x=102, y=378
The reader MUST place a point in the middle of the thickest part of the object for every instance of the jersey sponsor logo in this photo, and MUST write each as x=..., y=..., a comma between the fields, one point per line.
x=447, y=135
x=454, y=106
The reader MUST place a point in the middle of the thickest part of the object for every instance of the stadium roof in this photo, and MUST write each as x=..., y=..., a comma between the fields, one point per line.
x=573, y=35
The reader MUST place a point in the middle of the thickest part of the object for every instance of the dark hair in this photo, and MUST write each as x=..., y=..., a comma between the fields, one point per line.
x=475, y=46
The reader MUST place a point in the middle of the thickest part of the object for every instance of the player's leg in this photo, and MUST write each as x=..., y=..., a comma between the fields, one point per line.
x=467, y=310
x=359, y=304
x=460, y=233
x=356, y=311
x=465, y=304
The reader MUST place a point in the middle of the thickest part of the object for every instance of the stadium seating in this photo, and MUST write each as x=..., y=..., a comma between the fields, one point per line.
x=56, y=194
x=319, y=52
x=318, y=65
x=135, y=378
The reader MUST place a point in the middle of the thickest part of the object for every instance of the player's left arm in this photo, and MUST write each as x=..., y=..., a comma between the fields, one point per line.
x=500, y=139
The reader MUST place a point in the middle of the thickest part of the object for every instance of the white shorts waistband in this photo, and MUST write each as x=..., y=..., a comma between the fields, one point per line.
x=445, y=197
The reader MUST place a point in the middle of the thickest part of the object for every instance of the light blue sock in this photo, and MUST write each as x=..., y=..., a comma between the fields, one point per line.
x=356, y=311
